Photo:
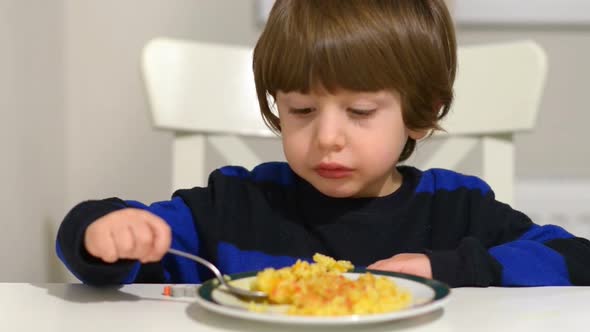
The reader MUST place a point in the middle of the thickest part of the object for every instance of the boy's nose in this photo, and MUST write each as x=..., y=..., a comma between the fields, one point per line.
x=330, y=132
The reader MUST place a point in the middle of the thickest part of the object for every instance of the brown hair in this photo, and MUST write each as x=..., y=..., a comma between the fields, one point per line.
x=360, y=45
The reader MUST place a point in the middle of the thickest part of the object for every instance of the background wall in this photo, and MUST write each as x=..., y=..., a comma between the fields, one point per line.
x=32, y=132
x=75, y=121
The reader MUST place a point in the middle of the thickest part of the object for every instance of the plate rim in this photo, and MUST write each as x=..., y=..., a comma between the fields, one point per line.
x=440, y=289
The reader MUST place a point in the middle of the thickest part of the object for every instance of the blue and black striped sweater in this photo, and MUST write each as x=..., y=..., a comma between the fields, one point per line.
x=269, y=217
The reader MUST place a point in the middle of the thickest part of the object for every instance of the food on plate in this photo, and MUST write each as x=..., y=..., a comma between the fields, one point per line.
x=322, y=289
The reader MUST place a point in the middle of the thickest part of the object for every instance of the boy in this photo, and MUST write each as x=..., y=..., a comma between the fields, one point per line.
x=355, y=85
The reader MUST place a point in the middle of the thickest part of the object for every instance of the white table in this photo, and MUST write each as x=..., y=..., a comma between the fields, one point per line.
x=77, y=308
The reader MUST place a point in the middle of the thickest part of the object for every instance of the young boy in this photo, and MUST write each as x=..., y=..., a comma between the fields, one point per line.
x=355, y=85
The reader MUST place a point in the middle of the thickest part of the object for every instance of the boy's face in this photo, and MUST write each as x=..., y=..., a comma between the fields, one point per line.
x=345, y=144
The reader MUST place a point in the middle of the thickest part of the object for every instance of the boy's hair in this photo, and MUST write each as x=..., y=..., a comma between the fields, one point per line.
x=361, y=45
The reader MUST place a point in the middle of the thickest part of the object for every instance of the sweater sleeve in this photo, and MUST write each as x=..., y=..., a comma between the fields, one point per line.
x=70, y=245
x=501, y=246
x=91, y=270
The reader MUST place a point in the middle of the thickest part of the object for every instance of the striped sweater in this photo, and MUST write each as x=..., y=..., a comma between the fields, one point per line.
x=269, y=217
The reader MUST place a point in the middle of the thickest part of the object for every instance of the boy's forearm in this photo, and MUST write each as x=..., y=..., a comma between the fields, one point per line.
x=576, y=253
x=543, y=256
x=469, y=265
x=70, y=246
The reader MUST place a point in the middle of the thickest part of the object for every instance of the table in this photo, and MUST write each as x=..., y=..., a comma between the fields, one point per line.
x=141, y=307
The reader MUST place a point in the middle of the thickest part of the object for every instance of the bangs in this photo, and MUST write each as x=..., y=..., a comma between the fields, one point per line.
x=330, y=45
x=406, y=46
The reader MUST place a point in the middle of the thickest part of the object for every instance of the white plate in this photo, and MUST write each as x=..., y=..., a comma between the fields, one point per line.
x=428, y=295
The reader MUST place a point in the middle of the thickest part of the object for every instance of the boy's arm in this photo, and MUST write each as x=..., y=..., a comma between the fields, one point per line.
x=504, y=248
x=71, y=249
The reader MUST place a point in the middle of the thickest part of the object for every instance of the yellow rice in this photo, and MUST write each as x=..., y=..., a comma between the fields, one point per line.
x=321, y=289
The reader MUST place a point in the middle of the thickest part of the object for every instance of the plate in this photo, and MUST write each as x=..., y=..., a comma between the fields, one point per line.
x=428, y=295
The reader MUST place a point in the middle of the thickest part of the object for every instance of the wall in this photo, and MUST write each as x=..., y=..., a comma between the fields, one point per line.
x=32, y=140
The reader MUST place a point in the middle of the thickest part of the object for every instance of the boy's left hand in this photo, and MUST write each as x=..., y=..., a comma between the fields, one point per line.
x=416, y=264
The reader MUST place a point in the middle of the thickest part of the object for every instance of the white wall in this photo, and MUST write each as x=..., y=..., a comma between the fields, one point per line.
x=32, y=136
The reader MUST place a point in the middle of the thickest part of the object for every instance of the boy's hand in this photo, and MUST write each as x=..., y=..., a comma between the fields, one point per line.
x=416, y=264
x=128, y=234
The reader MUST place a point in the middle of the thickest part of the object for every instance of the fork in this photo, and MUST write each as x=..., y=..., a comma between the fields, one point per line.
x=255, y=295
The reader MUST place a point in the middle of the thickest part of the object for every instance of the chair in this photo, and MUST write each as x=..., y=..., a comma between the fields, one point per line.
x=204, y=93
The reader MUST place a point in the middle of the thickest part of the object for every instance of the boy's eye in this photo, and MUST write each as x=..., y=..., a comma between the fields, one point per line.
x=300, y=111
x=361, y=113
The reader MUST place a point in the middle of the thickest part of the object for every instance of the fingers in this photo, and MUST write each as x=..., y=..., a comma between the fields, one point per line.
x=410, y=263
x=161, y=241
x=100, y=243
x=146, y=237
x=143, y=240
x=397, y=263
x=128, y=234
x=124, y=241
x=152, y=238
x=387, y=265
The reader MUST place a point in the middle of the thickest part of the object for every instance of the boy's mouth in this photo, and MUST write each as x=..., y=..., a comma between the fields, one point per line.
x=333, y=170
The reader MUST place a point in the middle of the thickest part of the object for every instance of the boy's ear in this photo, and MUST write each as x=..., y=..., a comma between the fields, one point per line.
x=417, y=134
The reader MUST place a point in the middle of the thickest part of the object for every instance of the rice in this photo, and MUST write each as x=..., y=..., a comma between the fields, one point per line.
x=321, y=289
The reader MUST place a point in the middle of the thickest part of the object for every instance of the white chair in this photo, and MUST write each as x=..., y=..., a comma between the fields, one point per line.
x=205, y=93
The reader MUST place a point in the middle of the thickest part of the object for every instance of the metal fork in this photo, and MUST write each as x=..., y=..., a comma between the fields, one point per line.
x=255, y=295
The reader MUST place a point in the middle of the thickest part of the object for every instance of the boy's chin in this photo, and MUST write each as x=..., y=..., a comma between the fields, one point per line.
x=335, y=191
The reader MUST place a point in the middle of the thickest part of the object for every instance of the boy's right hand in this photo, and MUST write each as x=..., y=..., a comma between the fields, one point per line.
x=128, y=234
